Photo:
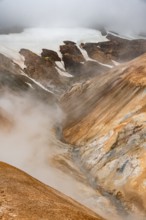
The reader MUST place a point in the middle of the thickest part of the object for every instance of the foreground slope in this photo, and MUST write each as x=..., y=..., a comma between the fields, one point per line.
x=23, y=197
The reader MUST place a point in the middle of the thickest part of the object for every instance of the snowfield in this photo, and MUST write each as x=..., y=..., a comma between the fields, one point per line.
x=35, y=39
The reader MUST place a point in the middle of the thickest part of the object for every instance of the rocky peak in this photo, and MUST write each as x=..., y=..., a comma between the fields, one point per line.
x=72, y=49
x=50, y=55
x=121, y=49
x=72, y=57
x=116, y=48
x=95, y=53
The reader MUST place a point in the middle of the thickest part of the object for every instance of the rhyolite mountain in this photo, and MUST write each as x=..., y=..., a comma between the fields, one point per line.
x=101, y=140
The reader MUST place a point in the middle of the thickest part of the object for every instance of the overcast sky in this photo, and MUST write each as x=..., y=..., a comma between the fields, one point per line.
x=118, y=15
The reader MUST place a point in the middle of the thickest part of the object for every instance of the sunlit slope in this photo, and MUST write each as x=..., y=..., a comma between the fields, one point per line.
x=23, y=197
x=109, y=130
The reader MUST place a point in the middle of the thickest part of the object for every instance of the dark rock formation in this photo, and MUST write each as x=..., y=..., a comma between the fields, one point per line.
x=95, y=53
x=72, y=49
x=76, y=64
x=72, y=64
x=50, y=55
x=72, y=57
x=122, y=50
x=117, y=48
x=43, y=70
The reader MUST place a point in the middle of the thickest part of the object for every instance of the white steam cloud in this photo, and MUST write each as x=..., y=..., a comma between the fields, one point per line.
x=119, y=15
x=27, y=141
x=26, y=134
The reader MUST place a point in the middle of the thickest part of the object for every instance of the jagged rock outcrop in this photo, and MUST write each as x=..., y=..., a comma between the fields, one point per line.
x=72, y=64
x=72, y=49
x=109, y=135
x=116, y=48
x=76, y=64
x=23, y=197
x=72, y=57
x=95, y=53
x=50, y=55
x=121, y=49
x=43, y=70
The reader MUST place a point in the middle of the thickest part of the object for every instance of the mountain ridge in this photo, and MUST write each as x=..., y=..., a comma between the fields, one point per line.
x=98, y=136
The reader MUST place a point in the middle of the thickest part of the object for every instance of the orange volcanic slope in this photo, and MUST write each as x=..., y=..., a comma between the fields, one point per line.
x=23, y=197
x=96, y=106
x=107, y=124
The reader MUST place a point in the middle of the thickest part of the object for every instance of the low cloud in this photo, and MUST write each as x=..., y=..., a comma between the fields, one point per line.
x=118, y=15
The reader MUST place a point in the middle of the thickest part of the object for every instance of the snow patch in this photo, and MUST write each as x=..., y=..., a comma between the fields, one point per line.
x=29, y=85
x=60, y=65
x=62, y=73
x=39, y=84
x=115, y=63
x=61, y=70
x=107, y=65
x=35, y=39
x=85, y=54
